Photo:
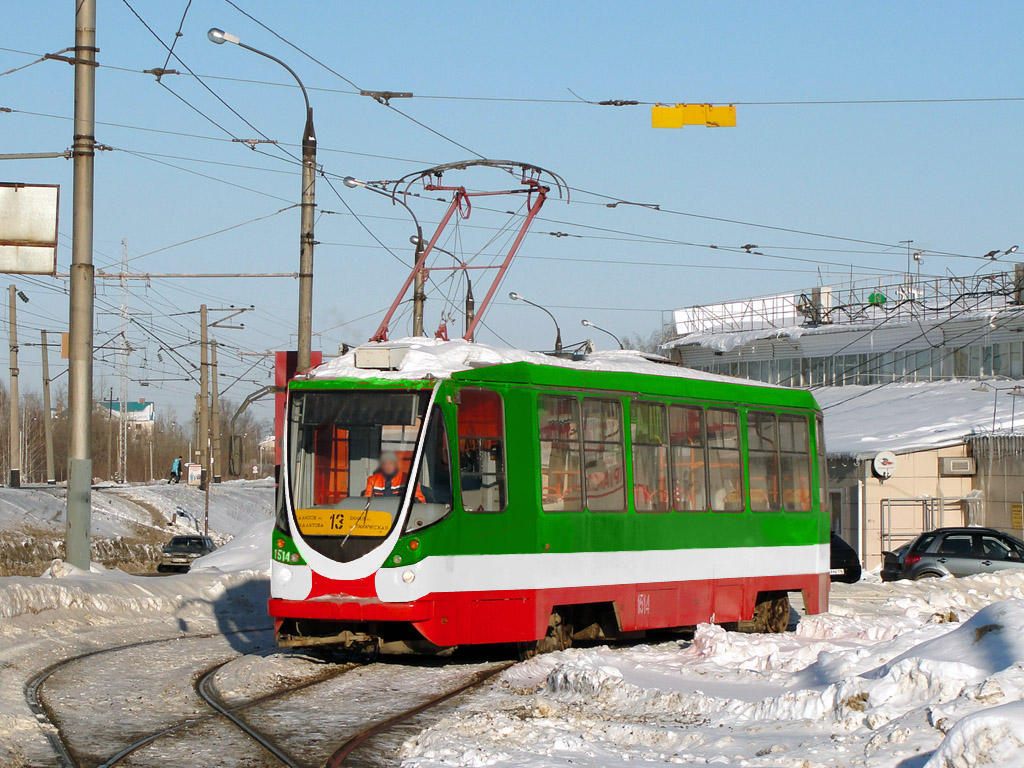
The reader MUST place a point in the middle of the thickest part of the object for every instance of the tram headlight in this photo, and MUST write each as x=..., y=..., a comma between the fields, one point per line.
x=408, y=577
x=285, y=575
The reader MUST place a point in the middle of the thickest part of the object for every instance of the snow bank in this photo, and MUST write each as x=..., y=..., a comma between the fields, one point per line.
x=440, y=359
x=992, y=737
x=898, y=674
x=248, y=551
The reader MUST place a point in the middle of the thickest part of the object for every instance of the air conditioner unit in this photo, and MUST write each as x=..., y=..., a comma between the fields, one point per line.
x=955, y=466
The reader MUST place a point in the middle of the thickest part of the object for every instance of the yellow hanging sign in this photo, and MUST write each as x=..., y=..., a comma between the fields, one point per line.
x=343, y=522
x=678, y=115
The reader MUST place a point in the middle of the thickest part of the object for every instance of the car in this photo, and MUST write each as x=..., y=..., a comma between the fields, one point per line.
x=844, y=565
x=954, y=552
x=181, y=551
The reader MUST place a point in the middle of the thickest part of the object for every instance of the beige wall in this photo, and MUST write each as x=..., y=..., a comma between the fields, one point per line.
x=1001, y=480
x=916, y=476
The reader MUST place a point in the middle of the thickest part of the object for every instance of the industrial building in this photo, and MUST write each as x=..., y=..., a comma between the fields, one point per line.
x=919, y=382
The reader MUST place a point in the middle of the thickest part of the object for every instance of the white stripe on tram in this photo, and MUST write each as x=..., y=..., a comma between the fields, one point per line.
x=549, y=570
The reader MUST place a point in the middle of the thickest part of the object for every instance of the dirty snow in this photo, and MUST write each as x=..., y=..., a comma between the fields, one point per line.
x=440, y=359
x=909, y=675
x=860, y=420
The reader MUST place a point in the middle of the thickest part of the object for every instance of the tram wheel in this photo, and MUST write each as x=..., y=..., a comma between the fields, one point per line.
x=771, y=614
x=558, y=638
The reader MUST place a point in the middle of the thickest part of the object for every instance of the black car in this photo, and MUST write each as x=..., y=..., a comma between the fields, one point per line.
x=844, y=565
x=954, y=552
x=181, y=551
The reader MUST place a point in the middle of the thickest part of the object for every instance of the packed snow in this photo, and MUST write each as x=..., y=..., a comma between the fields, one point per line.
x=248, y=551
x=434, y=358
x=925, y=674
x=860, y=420
x=129, y=522
x=910, y=674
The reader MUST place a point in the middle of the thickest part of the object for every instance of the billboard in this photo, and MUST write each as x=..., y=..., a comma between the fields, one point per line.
x=28, y=228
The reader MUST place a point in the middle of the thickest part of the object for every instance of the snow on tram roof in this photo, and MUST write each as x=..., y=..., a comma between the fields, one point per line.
x=440, y=359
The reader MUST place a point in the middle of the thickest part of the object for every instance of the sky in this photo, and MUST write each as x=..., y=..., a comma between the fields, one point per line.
x=944, y=175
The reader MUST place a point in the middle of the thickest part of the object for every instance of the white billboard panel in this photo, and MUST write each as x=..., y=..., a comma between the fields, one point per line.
x=28, y=228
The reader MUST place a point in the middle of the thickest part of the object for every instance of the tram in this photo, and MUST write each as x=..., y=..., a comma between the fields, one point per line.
x=439, y=494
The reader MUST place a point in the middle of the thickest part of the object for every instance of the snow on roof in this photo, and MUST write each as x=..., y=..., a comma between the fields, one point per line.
x=726, y=341
x=440, y=359
x=860, y=421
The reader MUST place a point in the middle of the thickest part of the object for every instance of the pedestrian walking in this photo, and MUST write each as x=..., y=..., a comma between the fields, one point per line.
x=176, y=469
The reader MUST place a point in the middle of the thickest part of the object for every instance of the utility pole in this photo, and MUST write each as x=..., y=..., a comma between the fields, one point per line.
x=51, y=477
x=203, y=438
x=79, y=497
x=418, y=293
x=306, y=240
x=110, y=437
x=15, y=445
x=215, y=414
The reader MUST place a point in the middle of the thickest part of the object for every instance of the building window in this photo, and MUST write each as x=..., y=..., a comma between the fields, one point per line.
x=603, y=466
x=689, y=465
x=763, y=461
x=725, y=469
x=795, y=458
x=481, y=423
x=561, y=464
x=650, y=457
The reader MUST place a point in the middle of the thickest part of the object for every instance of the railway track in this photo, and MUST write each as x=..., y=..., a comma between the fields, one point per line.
x=263, y=721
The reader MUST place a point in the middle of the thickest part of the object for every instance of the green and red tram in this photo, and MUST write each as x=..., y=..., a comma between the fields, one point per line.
x=539, y=500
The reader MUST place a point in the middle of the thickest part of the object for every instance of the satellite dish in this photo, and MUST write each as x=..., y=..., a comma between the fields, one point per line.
x=884, y=464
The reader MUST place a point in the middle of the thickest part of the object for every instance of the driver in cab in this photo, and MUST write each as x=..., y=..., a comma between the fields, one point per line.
x=389, y=480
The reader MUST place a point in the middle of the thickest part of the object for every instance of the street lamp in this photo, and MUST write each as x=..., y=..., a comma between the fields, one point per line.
x=558, y=331
x=308, y=205
x=588, y=324
x=1014, y=391
x=418, y=291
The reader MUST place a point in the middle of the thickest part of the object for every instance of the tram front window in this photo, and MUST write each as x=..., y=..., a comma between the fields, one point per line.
x=351, y=457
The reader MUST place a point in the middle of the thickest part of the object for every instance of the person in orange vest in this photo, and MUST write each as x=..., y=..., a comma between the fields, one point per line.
x=389, y=480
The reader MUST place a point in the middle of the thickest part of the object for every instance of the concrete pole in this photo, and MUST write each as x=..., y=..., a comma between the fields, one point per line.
x=203, y=438
x=418, y=294
x=15, y=431
x=51, y=477
x=215, y=414
x=79, y=498
x=306, y=242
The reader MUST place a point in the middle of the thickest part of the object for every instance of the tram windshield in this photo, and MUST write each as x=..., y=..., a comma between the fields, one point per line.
x=352, y=454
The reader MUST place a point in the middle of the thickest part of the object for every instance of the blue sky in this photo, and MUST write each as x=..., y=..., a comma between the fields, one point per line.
x=944, y=175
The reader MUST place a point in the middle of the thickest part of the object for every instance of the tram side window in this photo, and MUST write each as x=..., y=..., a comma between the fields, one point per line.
x=561, y=461
x=763, y=461
x=725, y=466
x=650, y=457
x=819, y=431
x=481, y=423
x=604, y=467
x=689, y=466
x=795, y=453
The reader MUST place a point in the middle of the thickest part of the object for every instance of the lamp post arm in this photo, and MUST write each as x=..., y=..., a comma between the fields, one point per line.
x=558, y=331
x=290, y=70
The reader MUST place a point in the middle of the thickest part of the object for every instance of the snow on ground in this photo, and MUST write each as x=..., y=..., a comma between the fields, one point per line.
x=248, y=551
x=69, y=612
x=129, y=522
x=906, y=675
x=234, y=504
